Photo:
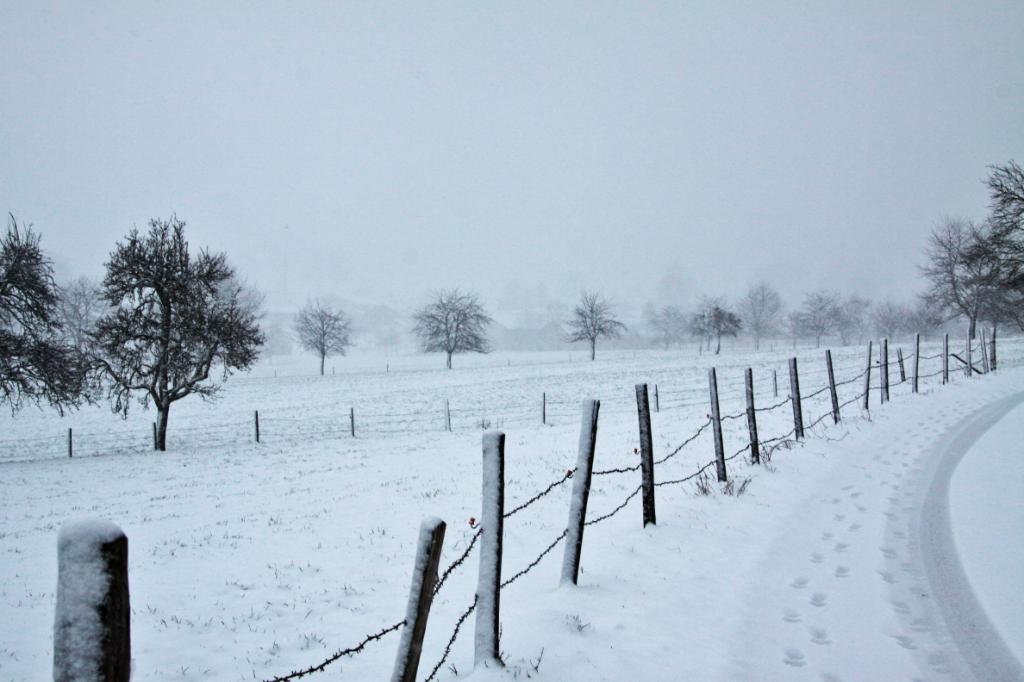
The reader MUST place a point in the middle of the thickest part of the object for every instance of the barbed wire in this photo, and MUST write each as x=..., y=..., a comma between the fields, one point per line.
x=296, y=674
x=541, y=494
x=451, y=640
x=458, y=561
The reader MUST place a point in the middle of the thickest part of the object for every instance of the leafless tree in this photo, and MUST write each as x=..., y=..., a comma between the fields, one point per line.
x=173, y=317
x=819, y=314
x=593, y=319
x=961, y=272
x=454, y=322
x=890, y=319
x=852, y=318
x=667, y=323
x=81, y=304
x=1006, y=188
x=322, y=330
x=35, y=363
x=760, y=308
x=999, y=248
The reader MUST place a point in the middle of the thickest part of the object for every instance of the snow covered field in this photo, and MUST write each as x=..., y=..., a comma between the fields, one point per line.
x=248, y=561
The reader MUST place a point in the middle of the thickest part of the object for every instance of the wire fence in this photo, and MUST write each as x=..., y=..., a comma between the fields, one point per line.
x=766, y=448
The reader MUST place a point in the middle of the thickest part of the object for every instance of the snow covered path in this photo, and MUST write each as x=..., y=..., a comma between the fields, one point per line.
x=824, y=570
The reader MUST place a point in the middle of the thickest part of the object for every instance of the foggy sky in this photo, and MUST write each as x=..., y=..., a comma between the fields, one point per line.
x=523, y=151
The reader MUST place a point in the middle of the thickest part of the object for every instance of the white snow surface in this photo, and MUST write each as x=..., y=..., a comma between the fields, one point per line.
x=249, y=561
x=987, y=510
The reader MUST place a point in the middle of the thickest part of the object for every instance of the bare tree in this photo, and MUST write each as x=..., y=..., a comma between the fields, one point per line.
x=323, y=330
x=760, y=308
x=172, y=319
x=667, y=323
x=819, y=314
x=35, y=364
x=722, y=322
x=1006, y=188
x=891, y=319
x=593, y=319
x=998, y=250
x=453, y=323
x=81, y=304
x=851, y=318
x=961, y=272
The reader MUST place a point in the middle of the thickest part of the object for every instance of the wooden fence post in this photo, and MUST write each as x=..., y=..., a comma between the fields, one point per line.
x=883, y=369
x=352, y=421
x=657, y=401
x=544, y=408
x=867, y=380
x=794, y=397
x=716, y=425
x=832, y=386
x=993, y=348
x=755, y=448
x=775, y=383
x=643, y=410
x=70, y=449
x=421, y=595
x=447, y=417
x=92, y=624
x=984, y=352
x=970, y=366
x=945, y=359
x=899, y=361
x=488, y=589
x=155, y=447
x=256, y=423
x=580, y=492
x=917, y=360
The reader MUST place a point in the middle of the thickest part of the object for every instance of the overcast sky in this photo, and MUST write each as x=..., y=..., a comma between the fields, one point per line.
x=519, y=150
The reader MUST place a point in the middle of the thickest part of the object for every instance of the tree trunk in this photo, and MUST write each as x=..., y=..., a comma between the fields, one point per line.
x=817, y=341
x=718, y=346
x=323, y=356
x=974, y=326
x=449, y=360
x=757, y=343
x=593, y=349
x=161, y=427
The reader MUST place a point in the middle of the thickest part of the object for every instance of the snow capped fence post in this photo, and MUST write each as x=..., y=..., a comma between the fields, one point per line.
x=643, y=410
x=92, y=625
x=775, y=383
x=883, y=370
x=447, y=417
x=794, y=398
x=657, y=401
x=867, y=380
x=984, y=352
x=256, y=423
x=544, y=408
x=488, y=589
x=945, y=359
x=755, y=448
x=352, y=421
x=993, y=349
x=70, y=448
x=899, y=360
x=832, y=386
x=421, y=595
x=580, y=492
x=917, y=359
x=716, y=426
x=969, y=367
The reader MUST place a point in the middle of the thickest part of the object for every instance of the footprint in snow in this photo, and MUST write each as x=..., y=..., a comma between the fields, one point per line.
x=795, y=658
x=861, y=508
x=827, y=536
x=905, y=642
x=888, y=577
x=820, y=636
x=829, y=677
x=799, y=583
x=921, y=625
x=819, y=599
x=854, y=527
x=900, y=608
x=888, y=552
x=791, y=616
x=841, y=547
x=817, y=558
x=839, y=517
x=842, y=572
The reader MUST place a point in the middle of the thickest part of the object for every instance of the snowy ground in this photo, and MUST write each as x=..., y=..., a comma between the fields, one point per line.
x=248, y=561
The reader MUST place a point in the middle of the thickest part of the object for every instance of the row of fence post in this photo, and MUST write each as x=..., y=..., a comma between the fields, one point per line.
x=103, y=548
